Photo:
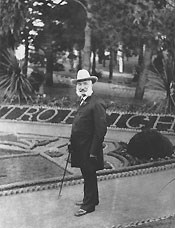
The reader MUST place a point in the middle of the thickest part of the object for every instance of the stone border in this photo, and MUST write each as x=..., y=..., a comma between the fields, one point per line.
x=161, y=222
x=45, y=184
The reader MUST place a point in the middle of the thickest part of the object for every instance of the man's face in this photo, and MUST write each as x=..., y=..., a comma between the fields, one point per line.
x=84, y=88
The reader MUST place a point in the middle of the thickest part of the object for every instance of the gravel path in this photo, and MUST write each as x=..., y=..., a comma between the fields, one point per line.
x=122, y=201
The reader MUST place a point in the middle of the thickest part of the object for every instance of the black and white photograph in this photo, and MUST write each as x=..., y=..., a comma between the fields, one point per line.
x=87, y=113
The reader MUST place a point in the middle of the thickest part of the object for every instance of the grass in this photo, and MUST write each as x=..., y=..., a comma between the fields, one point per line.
x=30, y=168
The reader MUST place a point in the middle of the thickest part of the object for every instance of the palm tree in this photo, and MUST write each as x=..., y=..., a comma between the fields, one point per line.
x=166, y=82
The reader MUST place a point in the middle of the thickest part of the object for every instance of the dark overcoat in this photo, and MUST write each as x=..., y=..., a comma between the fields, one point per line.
x=88, y=131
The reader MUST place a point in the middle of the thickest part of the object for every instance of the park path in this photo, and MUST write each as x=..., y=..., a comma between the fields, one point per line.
x=122, y=91
x=122, y=201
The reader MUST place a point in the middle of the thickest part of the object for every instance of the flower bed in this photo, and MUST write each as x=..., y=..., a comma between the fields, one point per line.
x=119, y=120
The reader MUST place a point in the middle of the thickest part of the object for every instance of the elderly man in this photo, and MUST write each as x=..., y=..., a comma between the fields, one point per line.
x=88, y=131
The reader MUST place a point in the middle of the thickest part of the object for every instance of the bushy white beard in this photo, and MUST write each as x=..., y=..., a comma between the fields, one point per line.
x=87, y=93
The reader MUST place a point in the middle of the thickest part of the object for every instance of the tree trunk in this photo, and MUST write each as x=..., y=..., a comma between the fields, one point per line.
x=26, y=53
x=11, y=40
x=48, y=36
x=6, y=41
x=100, y=55
x=71, y=60
x=49, y=69
x=140, y=59
x=86, y=64
x=139, y=93
x=94, y=63
x=111, y=65
x=104, y=62
x=139, y=66
x=79, y=67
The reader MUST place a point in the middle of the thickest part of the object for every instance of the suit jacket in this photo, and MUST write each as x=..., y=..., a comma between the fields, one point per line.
x=88, y=131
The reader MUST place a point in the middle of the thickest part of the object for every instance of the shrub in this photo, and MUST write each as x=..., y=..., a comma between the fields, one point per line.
x=58, y=67
x=149, y=144
x=15, y=84
x=36, y=78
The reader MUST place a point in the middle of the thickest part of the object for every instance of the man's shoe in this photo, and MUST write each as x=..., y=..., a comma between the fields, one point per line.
x=97, y=203
x=81, y=212
x=80, y=203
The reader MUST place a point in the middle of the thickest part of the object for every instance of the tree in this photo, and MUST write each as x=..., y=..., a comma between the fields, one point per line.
x=111, y=19
x=12, y=80
x=87, y=33
x=166, y=67
x=12, y=19
x=137, y=22
x=158, y=36
x=85, y=5
x=63, y=29
x=148, y=23
x=15, y=84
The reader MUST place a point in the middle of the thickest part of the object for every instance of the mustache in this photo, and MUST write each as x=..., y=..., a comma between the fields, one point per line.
x=82, y=90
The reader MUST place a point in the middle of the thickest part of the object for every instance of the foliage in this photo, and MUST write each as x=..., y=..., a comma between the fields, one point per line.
x=11, y=15
x=12, y=79
x=164, y=80
x=108, y=20
x=63, y=28
x=165, y=67
x=36, y=79
x=149, y=144
x=126, y=21
x=131, y=23
x=58, y=67
x=63, y=23
x=151, y=15
x=12, y=20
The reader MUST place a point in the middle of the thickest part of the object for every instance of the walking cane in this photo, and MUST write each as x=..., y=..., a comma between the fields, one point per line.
x=61, y=185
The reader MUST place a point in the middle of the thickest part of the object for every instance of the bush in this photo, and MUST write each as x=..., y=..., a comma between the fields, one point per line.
x=15, y=83
x=36, y=78
x=58, y=67
x=149, y=144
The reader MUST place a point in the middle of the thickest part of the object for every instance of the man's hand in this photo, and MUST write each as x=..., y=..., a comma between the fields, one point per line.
x=92, y=162
x=69, y=148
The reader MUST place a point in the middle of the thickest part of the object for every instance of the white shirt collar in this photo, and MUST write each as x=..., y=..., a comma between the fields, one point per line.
x=84, y=98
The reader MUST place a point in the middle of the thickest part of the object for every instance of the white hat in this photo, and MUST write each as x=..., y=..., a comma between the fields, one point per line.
x=83, y=75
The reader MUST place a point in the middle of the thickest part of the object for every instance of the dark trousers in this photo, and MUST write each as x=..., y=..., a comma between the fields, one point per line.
x=91, y=197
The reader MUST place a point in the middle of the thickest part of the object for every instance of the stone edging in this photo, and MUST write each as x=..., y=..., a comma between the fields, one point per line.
x=74, y=180
x=150, y=223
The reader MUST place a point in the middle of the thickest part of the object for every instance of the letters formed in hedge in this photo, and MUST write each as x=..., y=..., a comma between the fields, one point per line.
x=65, y=116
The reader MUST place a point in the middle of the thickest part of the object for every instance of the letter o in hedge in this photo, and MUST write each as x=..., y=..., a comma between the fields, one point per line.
x=47, y=115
